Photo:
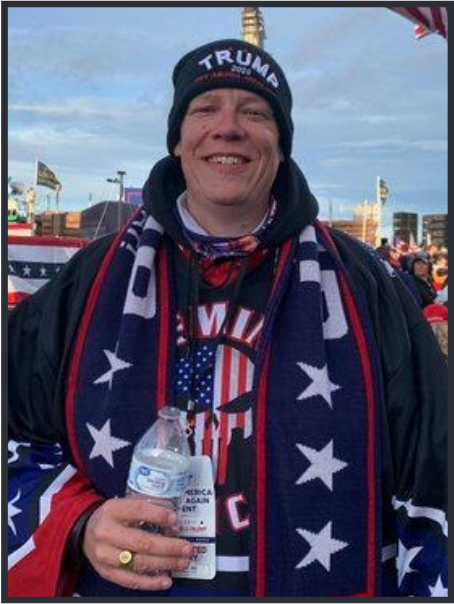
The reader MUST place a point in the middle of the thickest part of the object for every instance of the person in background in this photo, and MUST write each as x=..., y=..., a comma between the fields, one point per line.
x=309, y=379
x=392, y=257
x=440, y=270
x=437, y=315
x=442, y=296
x=420, y=269
x=432, y=251
x=405, y=255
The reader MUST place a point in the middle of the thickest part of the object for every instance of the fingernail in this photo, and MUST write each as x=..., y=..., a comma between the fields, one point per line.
x=187, y=550
x=166, y=582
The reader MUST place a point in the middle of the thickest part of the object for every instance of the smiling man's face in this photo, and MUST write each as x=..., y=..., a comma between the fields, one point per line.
x=229, y=150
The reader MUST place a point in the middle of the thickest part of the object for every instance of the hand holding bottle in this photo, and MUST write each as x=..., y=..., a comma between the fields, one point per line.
x=114, y=527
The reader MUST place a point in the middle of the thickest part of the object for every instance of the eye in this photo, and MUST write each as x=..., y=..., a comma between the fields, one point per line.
x=206, y=109
x=257, y=113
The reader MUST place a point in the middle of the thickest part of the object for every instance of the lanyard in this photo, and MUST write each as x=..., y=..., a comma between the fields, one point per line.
x=194, y=296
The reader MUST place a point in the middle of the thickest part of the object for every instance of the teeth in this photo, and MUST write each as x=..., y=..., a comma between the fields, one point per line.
x=226, y=159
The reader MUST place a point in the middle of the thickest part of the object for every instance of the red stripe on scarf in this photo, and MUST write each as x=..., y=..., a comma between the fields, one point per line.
x=260, y=455
x=80, y=342
x=285, y=253
x=370, y=400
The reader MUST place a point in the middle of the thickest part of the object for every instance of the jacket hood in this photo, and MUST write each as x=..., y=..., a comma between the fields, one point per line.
x=296, y=206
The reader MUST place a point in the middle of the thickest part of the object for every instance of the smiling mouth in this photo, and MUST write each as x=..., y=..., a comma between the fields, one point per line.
x=226, y=160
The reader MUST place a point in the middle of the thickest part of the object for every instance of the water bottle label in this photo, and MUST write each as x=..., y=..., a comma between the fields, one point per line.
x=197, y=519
x=155, y=483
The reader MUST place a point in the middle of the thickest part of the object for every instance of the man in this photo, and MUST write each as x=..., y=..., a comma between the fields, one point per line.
x=308, y=378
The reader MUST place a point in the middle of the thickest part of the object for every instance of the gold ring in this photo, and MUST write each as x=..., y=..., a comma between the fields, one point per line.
x=125, y=558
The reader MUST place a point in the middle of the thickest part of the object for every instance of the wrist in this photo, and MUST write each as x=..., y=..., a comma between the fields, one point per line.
x=74, y=556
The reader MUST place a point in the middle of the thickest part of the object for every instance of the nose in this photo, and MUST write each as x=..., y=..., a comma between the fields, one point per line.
x=228, y=125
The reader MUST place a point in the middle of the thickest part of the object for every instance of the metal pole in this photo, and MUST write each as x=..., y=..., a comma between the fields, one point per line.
x=121, y=175
x=379, y=216
x=119, y=181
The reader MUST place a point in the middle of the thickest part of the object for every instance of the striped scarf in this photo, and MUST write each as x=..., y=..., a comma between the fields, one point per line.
x=315, y=521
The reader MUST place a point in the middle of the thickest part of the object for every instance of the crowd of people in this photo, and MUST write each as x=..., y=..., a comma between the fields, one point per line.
x=425, y=272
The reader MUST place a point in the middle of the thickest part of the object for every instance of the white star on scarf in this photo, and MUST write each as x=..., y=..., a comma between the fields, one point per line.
x=323, y=546
x=105, y=444
x=320, y=385
x=323, y=465
x=116, y=364
x=438, y=590
x=404, y=560
x=13, y=511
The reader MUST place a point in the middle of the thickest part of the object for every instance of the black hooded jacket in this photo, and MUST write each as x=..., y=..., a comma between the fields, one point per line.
x=43, y=328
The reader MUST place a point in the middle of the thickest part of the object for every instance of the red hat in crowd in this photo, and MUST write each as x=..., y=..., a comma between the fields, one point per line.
x=436, y=313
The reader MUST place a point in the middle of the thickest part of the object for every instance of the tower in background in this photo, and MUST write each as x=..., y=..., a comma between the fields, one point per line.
x=253, y=26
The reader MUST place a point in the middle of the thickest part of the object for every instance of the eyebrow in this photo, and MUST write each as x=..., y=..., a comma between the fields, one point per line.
x=248, y=98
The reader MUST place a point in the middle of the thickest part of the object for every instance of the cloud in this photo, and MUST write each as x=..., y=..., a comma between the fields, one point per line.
x=90, y=88
x=391, y=145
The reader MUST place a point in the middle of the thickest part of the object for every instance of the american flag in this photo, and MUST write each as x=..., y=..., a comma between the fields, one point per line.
x=222, y=384
x=428, y=19
x=32, y=261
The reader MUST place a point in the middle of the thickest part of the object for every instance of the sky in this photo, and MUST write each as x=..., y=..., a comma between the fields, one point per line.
x=89, y=90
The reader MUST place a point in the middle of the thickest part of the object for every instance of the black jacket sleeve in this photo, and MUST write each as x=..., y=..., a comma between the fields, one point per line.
x=414, y=374
x=413, y=428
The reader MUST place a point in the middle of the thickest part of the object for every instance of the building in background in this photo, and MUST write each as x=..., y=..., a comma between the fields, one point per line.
x=364, y=224
x=405, y=227
x=104, y=218
x=435, y=230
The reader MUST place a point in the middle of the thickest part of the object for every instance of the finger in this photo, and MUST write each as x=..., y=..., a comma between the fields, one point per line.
x=151, y=544
x=136, y=540
x=134, y=511
x=132, y=580
x=146, y=564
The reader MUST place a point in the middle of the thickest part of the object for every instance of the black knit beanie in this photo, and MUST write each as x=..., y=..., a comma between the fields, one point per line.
x=231, y=64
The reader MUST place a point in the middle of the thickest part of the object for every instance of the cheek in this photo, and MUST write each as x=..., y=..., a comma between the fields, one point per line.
x=191, y=137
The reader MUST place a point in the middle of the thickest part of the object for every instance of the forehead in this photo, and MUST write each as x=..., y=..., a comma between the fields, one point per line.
x=223, y=94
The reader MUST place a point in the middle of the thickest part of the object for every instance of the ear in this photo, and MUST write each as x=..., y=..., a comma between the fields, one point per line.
x=177, y=150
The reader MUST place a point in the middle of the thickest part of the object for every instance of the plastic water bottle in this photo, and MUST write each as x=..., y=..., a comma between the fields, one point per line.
x=160, y=463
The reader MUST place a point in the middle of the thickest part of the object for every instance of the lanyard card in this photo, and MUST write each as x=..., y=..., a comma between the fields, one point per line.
x=197, y=519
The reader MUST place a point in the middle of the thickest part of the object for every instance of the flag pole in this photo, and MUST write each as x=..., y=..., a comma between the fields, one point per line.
x=36, y=180
x=379, y=213
x=32, y=200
